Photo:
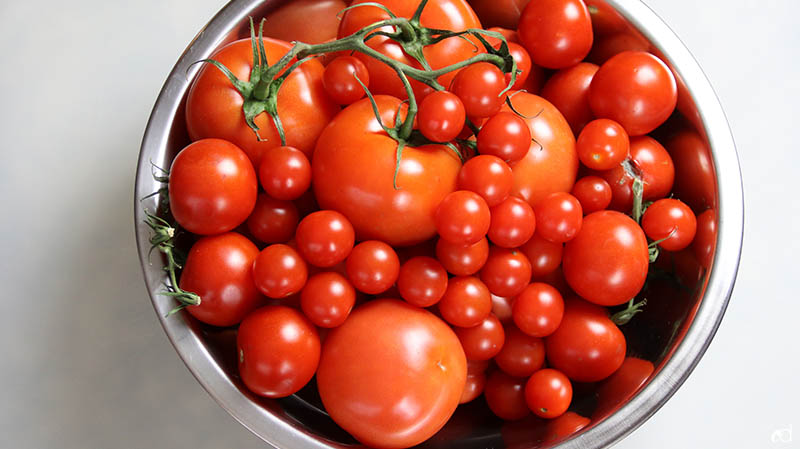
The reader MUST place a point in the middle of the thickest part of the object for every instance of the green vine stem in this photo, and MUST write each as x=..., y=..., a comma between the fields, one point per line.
x=624, y=316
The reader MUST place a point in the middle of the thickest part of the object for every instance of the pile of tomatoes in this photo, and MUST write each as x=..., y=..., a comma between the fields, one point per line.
x=409, y=282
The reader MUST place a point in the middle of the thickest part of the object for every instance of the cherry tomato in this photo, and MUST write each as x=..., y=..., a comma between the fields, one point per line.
x=272, y=221
x=559, y=217
x=340, y=80
x=278, y=350
x=513, y=223
x=557, y=33
x=654, y=166
x=603, y=144
x=548, y=393
x=524, y=65
x=407, y=348
x=621, y=385
x=521, y=355
x=462, y=260
x=538, y=310
x=568, y=90
x=506, y=396
x=325, y=238
x=372, y=267
x=695, y=181
x=478, y=86
x=279, y=271
x=607, y=262
x=212, y=187
x=488, y=176
x=327, y=299
x=473, y=388
x=285, y=173
x=309, y=21
x=484, y=341
x=499, y=13
x=544, y=255
x=610, y=46
x=593, y=192
x=422, y=281
x=635, y=89
x=705, y=240
x=506, y=136
x=501, y=308
x=587, y=346
x=506, y=272
x=671, y=220
x=462, y=217
x=219, y=270
x=441, y=116
x=466, y=302
x=565, y=425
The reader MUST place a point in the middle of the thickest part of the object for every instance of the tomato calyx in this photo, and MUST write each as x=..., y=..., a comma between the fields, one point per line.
x=624, y=316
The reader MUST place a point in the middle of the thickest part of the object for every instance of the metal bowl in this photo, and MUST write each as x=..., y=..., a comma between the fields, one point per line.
x=673, y=336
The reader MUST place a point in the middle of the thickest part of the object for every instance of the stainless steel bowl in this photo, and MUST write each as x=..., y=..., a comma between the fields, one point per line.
x=673, y=338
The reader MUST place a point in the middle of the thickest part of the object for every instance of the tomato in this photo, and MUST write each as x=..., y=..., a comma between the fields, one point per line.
x=441, y=116
x=488, y=176
x=521, y=355
x=705, y=240
x=454, y=15
x=538, y=310
x=621, y=385
x=462, y=217
x=406, y=348
x=506, y=136
x=506, y=396
x=462, y=260
x=587, y=346
x=506, y=272
x=544, y=255
x=557, y=33
x=212, y=187
x=373, y=267
x=602, y=144
x=340, y=80
x=695, y=181
x=607, y=262
x=559, y=216
x=524, y=65
x=325, y=238
x=309, y=21
x=219, y=270
x=272, y=221
x=671, y=220
x=568, y=90
x=466, y=302
x=513, y=223
x=279, y=271
x=484, y=341
x=502, y=13
x=548, y=393
x=327, y=299
x=635, y=89
x=422, y=281
x=214, y=106
x=654, y=166
x=473, y=387
x=565, y=425
x=501, y=308
x=285, y=173
x=358, y=183
x=551, y=163
x=479, y=86
x=593, y=192
x=609, y=46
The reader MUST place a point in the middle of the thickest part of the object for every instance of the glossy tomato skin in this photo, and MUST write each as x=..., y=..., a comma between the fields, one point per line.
x=654, y=166
x=279, y=271
x=474, y=387
x=214, y=106
x=593, y=192
x=506, y=136
x=557, y=33
x=484, y=341
x=565, y=425
x=372, y=267
x=559, y=216
x=521, y=355
x=441, y=116
x=309, y=21
x=621, y=385
x=325, y=238
x=705, y=240
x=466, y=302
x=499, y=13
x=327, y=299
x=422, y=281
x=212, y=187
x=513, y=223
x=544, y=255
x=406, y=347
x=219, y=270
x=506, y=396
x=602, y=144
x=607, y=262
x=358, y=183
x=538, y=310
x=672, y=220
x=568, y=90
x=341, y=79
x=488, y=176
x=272, y=221
x=284, y=173
x=548, y=393
x=587, y=346
x=506, y=272
x=695, y=182
x=463, y=217
x=462, y=260
x=478, y=86
x=278, y=351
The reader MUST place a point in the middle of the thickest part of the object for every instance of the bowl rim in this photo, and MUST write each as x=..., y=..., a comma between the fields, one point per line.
x=281, y=433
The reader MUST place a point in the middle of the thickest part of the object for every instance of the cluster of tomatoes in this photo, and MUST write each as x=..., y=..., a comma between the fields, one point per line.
x=407, y=281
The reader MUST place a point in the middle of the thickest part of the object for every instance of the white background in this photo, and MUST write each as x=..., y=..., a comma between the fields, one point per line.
x=83, y=361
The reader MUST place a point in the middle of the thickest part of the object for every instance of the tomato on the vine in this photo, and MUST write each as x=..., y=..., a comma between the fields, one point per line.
x=479, y=86
x=441, y=116
x=671, y=222
x=652, y=163
x=341, y=79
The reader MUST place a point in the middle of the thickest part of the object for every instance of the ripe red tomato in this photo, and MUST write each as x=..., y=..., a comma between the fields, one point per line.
x=565, y=425
x=285, y=173
x=602, y=144
x=212, y=187
x=587, y=346
x=672, y=220
x=466, y=302
x=278, y=351
x=607, y=262
x=499, y=13
x=327, y=299
x=462, y=260
x=524, y=65
x=462, y=217
x=513, y=223
x=655, y=168
x=695, y=181
x=408, y=348
x=548, y=393
x=538, y=310
x=484, y=341
x=488, y=176
x=309, y=21
x=478, y=86
x=506, y=396
x=214, y=106
x=705, y=240
x=505, y=135
x=340, y=80
x=474, y=387
x=506, y=272
x=359, y=184
x=279, y=271
x=521, y=354
x=372, y=267
x=422, y=281
x=501, y=308
x=593, y=192
x=635, y=89
x=557, y=33
x=568, y=90
x=272, y=221
x=544, y=255
x=559, y=216
x=621, y=385
x=325, y=238
x=441, y=116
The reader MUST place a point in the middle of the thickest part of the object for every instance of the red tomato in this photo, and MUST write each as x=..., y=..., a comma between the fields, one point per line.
x=607, y=262
x=557, y=33
x=484, y=341
x=325, y=238
x=285, y=173
x=568, y=90
x=214, y=106
x=499, y=13
x=672, y=220
x=340, y=80
x=521, y=355
x=621, y=385
x=548, y=393
x=506, y=272
x=506, y=136
x=695, y=181
x=441, y=116
x=610, y=46
x=407, y=348
x=278, y=351
x=327, y=299
x=506, y=396
x=212, y=187
x=538, y=310
x=565, y=425
x=488, y=176
x=593, y=192
x=602, y=144
x=513, y=223
x=373, y=267
x=359, y=184
x=462, y=260
x=524, y=65
x=272, y=221
x=279, y=271
x=544, y=255
x=309, y=21
x=466, y=302
x=559, y=217
x=635, y=89
x=422, y=281
x=219, y=270
x=587, y=346
x=705, y=240
x=479, y=86
x=653, y=164
x=462, y=218
x=501, y=308
x=473, y=388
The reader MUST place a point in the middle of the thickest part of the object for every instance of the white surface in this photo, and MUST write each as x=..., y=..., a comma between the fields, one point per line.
x=84, y=361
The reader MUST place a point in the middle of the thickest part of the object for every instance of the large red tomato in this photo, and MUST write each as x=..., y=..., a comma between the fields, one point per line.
x=214, y=106
x=454, y=15
x=309, y=21
x=392, y=374
x=551, y=164
x=353, y=169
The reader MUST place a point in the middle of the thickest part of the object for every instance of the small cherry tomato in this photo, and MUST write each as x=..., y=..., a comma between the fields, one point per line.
x=548, y=393
x=602, y=144
x=506, y=272
x=474, y=387
x=285, y=173
x=501, y=308
x=462, y=217
x=524, y=65
x=462, y=260
x=538, y=310
x=505, y=135
x=672, y=221
x=593, y=192
x=705, y=240
x=513, y=223
x=478, y=86
x=653, y=164
x=559, y=217
x=565, y=425
x=544, y=255
x=372, y=267
x=422, y=281
x=466, y=302
x=521, y=355
x=327, y=299
x=484, y=341
x=441, y=116
x=506, y=396
x=325, y=238
x=557, y=33
x=279, y=271
x=568, y=90
x=488, y=176
x=340, y=81
x=272, y=221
